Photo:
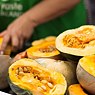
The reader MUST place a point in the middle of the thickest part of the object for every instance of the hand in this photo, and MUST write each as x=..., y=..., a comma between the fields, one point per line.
x=17, y=33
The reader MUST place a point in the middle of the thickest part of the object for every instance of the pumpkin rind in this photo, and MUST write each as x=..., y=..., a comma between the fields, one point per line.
x=71, y=58
x=68, y=69
x=44, y=50
x=73, y=49
x=84, y=76
x=18, y=90
x=49, y=82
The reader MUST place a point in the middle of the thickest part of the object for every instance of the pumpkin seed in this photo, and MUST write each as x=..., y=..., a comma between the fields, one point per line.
x=47, y=49
x=17, y=72
x=16, y=75
x=50, y=85
x=43, y=87
x=39, y=89
x=25, y=69
x=20, y=69
x=29, y=68
x=21, y=73
x=44, y=81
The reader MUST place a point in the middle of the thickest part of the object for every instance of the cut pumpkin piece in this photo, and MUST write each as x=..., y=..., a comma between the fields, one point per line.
x=31, y=77
x=76, y=43
x=86, y=73
x=50, y=38
x=76, y=89
x=44, y=40
x=44, y=50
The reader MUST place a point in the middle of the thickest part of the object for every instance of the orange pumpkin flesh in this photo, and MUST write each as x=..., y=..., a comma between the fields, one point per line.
x=76, y=89
x=44, y=50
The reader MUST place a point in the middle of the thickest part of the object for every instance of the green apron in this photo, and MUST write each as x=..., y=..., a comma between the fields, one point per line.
x=11, y=9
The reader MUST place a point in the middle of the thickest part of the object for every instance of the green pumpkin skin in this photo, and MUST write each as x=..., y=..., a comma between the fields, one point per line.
x=18, y=90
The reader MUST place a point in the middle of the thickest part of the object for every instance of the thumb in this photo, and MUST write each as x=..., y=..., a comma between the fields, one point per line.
x=2, y=33
x=5, y=42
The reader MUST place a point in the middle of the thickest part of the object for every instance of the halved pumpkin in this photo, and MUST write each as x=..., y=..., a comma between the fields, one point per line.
x=68, y=69
x=86, y=73
x=44, y=50
x=30, y=76
x=44, y=40
x=76, y=89
x=76, y=43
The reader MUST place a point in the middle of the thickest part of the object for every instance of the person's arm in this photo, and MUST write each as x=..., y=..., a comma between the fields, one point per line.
x=21, y=29
x=50, y=9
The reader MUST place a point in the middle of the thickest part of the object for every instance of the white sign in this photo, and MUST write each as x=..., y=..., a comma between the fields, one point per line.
x=3, y=93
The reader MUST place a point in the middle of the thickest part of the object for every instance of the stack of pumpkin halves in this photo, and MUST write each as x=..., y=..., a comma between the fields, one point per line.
x=63, y=65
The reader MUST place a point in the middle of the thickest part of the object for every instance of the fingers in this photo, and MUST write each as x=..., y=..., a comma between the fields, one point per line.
x=15, y=42
x=21, y=43
x=6, y=40
x=3, y=33
x=16, y=37
x=9, y=37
